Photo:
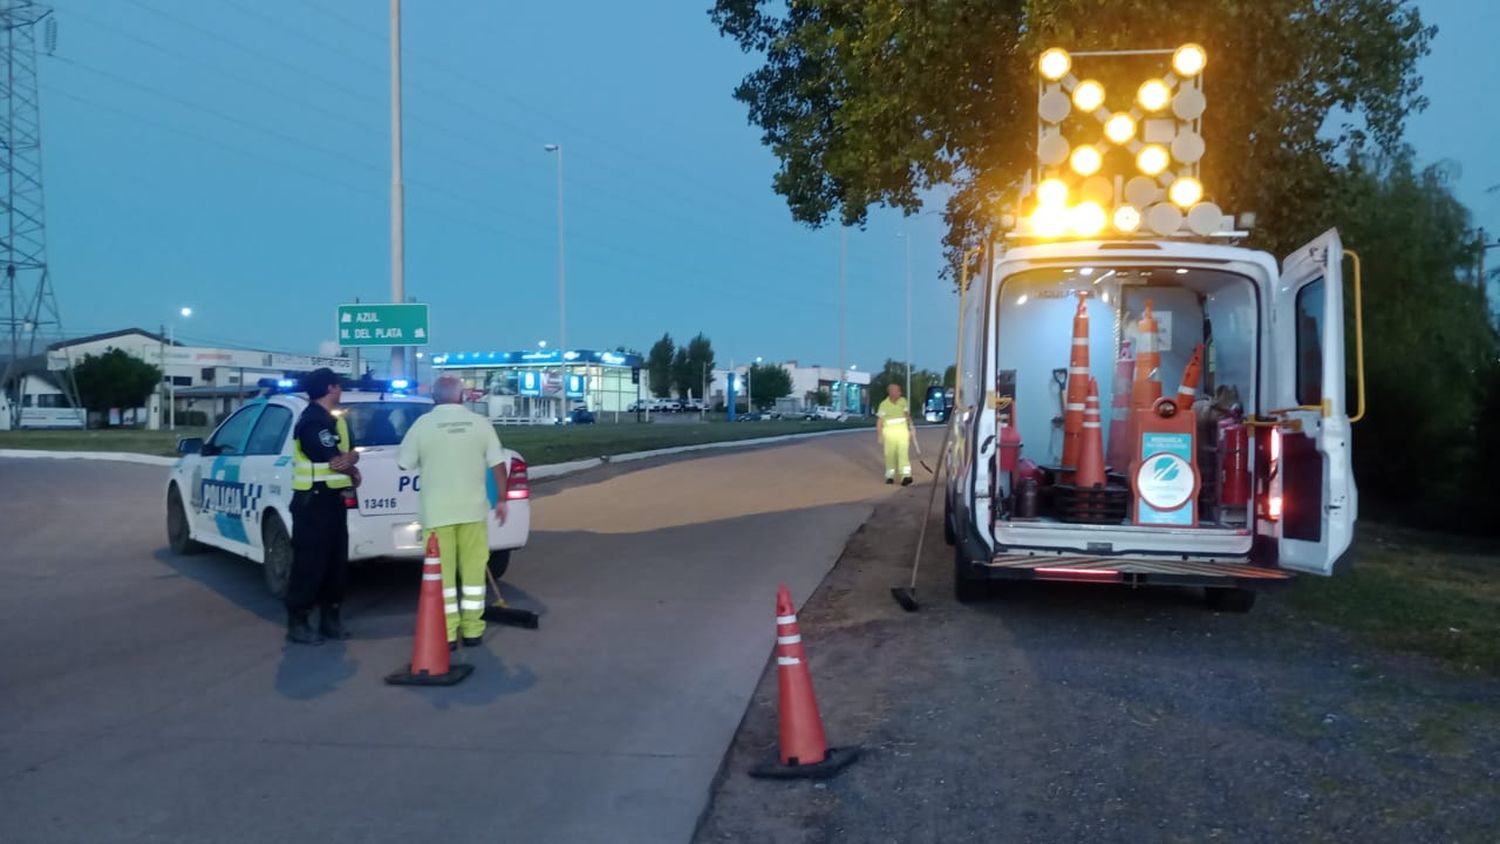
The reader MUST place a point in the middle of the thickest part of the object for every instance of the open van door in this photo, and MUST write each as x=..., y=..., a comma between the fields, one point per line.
x=1319, y=502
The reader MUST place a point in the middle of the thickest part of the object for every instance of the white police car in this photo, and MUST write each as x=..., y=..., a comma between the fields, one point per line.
x=234, y=490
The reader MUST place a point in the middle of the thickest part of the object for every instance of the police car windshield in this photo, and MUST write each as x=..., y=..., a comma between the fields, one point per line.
x=382, y=422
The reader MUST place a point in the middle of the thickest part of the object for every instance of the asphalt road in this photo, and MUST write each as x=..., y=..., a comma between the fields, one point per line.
x=147, y=696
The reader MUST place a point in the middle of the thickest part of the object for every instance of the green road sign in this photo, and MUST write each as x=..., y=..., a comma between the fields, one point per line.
x=382, y=325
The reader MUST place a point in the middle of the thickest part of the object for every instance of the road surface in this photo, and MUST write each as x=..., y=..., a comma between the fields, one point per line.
x=148, y=696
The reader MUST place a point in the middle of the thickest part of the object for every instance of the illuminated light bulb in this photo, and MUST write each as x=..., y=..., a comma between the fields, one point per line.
x=1088, y=96
x=1087, y=219
x=1055, y=64
x=1120, y=128
x=1152, y=159
x=1086, y=161
x=1185, y=192
x=1153, y=95
x=1189, y=60
x=1127, y=218
x=1050, y=221
x=1052, y=193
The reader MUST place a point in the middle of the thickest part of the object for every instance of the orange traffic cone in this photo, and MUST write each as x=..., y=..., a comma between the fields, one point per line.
x=1078, y=386
x=430, y=665
x=1091, y=452
x=804, y=750
x=1147, y=387
x=1188, y=391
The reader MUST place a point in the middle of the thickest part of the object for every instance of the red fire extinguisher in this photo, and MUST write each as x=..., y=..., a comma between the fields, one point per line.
x=1234, y=463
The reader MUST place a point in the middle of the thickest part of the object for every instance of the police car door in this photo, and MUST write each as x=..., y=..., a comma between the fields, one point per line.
x=266, y=469
x=222, y=493
x=1318, y=500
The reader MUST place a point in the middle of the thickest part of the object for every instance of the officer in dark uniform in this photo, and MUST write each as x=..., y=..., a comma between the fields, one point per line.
x=323, y=474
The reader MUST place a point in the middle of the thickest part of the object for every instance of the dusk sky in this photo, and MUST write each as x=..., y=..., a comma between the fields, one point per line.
x=233, y=156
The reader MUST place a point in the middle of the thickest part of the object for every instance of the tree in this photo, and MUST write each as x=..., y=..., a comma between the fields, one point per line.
x=880, y=101
x=768, y=383
x=114, y=379
x=684, y=377
x=659, y=366
x=950, y=376
x=700, y=358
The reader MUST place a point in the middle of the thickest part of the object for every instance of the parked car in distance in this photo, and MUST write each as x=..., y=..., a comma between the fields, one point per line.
x=580, y=416
x=823, y=411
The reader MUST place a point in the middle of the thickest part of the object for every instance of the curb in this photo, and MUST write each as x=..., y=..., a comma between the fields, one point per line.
x=542, y=472
x=116, y=456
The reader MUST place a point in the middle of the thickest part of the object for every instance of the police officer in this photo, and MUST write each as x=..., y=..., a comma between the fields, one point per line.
x=893, y=427
x=323, y=473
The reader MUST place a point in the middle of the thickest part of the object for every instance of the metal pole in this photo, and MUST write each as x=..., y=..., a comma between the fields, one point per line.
x=907, y=238
x=161, y=358
x=398, y=227
x=562, y=278
x=171, y=385
x=843, y=391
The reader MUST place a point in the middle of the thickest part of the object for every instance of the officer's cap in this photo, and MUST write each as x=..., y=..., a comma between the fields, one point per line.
x=318, y=382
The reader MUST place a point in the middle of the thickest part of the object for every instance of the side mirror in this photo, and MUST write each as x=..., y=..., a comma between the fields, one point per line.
x=190, y=445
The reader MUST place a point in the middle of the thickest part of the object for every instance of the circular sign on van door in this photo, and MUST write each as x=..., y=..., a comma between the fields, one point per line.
x=1165, y=481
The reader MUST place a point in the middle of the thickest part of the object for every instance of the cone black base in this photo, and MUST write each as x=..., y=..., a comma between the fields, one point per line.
x=456, y=674
x=838, y=759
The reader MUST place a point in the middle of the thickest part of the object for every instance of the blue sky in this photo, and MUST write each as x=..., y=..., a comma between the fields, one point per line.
x=233, y=156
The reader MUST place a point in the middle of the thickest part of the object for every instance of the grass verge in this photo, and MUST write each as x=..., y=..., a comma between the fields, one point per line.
x=1413, y=591
x=540, y=445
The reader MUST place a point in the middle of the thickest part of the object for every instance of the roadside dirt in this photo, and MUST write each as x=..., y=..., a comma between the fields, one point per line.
x=1062, y=712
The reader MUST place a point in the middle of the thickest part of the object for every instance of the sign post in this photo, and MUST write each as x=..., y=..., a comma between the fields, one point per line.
x=382, y=325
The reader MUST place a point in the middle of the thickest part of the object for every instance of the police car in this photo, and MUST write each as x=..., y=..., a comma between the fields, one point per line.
x=233, y=491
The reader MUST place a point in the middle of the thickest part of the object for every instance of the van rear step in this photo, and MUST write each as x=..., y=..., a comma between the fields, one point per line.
x=1128, y=570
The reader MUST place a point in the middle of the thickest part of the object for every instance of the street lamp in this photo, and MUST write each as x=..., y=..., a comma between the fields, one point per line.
x=171, y=334
x=562, y=275
x=750, y=385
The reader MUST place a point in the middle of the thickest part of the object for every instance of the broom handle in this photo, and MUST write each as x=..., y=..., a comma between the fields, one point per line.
x=931, y=497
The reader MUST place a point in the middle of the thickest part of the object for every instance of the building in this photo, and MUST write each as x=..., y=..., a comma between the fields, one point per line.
x=538, y=386
x=34, y=397
x=811, y=386
x=197, y=380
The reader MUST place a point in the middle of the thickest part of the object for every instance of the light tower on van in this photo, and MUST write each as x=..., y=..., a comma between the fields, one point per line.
x=1119, y=157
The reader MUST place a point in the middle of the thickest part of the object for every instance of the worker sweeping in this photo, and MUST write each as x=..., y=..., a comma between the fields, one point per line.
x=453, y=447
x=893, y=427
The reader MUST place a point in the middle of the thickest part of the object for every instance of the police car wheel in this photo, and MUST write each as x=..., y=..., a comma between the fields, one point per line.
x=179, y=537
x=499, y=562
x=278, y=548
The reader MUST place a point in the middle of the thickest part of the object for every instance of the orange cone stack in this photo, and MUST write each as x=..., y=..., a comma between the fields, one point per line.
x=1147, y=387
x=804, y=750
x=1091, y=452
x=430, y=665
x=1190, y=375
x=1078, y=386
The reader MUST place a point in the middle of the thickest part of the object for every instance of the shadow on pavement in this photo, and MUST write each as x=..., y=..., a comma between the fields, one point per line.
x=492, y=679
x=305, y=673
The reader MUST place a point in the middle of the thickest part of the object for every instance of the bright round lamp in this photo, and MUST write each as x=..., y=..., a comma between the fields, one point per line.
x=1055, y=64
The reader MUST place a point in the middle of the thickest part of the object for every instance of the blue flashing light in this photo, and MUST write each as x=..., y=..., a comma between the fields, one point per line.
x=399, y=383
x=286, y=383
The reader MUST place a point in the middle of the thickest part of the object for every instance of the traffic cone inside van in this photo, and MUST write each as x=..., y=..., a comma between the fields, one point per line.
x=1078, y=385
x=1090, y=473
x=430, y=665
x=804, y=750
x=1147, y=382
x=1188, y=391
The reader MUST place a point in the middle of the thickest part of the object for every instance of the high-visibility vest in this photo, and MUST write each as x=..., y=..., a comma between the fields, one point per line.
x=305, y=472
x=892, y=412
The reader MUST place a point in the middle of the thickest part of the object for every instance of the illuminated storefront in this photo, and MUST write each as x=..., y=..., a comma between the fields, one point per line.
x=543, y=384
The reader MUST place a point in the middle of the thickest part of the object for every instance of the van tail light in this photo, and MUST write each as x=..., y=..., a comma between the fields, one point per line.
x=1271, y=503
x=1273, y=507
x=518, y=482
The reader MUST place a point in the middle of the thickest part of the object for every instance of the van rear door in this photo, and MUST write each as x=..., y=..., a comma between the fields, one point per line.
x=1319, y=502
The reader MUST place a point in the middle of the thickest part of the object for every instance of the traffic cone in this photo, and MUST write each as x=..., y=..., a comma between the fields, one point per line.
x=1091, y=453
x=804, y=750
x=430, y=665
x=1188, y=391
x=1147, y=384
x=1078, y=386
x=1120, y=417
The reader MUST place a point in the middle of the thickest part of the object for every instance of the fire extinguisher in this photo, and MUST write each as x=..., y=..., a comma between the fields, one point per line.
x=1234, y=463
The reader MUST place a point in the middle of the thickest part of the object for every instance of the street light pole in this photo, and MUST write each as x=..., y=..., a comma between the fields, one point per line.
x=398, y=225
x=906, y=237
x=172, y=385
x=842, y=400
x=562, y=273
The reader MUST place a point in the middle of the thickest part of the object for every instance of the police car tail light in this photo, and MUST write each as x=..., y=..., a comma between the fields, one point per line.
x=518, y=484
